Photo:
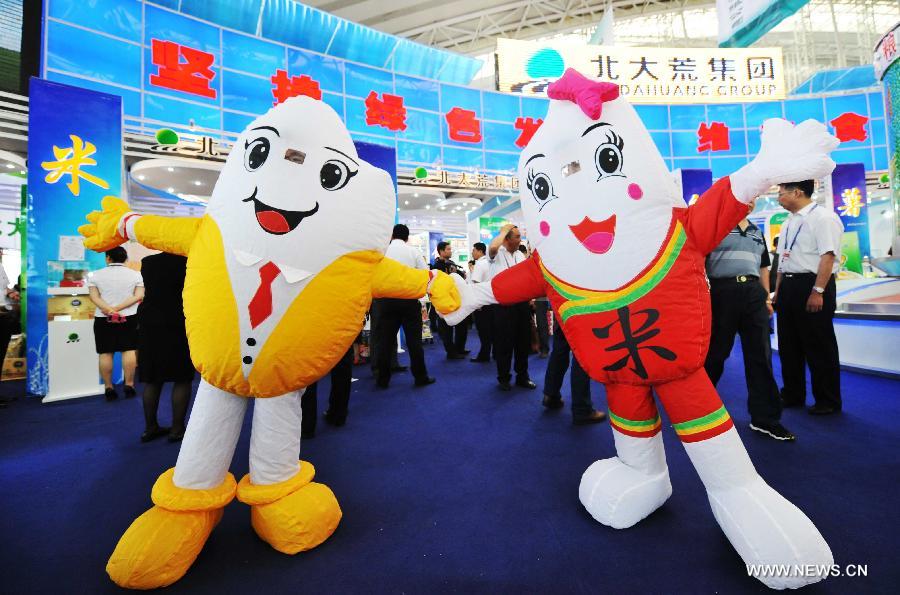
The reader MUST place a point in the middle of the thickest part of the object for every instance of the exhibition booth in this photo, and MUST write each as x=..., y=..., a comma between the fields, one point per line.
x=162, y=94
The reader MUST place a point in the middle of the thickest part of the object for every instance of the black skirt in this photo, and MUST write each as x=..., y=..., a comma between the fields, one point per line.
x=163, y=354
x=115, y=337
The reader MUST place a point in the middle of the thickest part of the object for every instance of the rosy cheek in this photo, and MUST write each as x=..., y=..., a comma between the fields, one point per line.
x=545, y=228
x=635, y=192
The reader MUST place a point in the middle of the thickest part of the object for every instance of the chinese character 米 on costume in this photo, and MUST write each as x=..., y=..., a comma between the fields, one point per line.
x=281, y=271
x=621, y=258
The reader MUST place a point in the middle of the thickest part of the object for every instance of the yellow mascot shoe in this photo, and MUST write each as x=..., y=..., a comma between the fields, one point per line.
x=294, y=515
x=161, y=544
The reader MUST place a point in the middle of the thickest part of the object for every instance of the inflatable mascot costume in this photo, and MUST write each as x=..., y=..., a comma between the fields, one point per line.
x=280, y=273
x=622, y=260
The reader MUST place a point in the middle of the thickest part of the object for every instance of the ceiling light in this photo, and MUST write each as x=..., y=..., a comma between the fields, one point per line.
x=9, y=166
x=416, y=194
x=170, y=169
x=198, y=183
x=442, y=208
x=405, y=202
x=433, y=222
x=170, y=190
x=427, y=206
x=22, y=171
x=141, y=177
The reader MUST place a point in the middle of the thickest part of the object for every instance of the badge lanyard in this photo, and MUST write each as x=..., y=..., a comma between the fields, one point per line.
x=790, y=245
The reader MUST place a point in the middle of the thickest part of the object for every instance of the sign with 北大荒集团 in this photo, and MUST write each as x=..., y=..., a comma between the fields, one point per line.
x=646, y=75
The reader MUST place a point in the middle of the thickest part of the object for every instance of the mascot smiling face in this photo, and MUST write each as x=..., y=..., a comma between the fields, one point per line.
x=294, y=190
x=595, y=192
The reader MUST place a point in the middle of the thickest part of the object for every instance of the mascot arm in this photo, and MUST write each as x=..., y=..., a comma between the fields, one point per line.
x=516, y=284
x=715, y=213
x=168, y=234
x=520, y=283
x=395, y=280
x=115, y=224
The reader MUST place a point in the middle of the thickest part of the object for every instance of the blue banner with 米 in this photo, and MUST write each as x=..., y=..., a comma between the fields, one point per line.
x=74, y=160
x=848, y=184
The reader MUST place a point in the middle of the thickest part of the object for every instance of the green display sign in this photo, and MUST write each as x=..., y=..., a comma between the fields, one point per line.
x=851, y=259
x=489, y=227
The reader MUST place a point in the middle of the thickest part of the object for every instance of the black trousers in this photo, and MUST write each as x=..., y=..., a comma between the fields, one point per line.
x=740, y=308
x=484, y=324
x=543, y=326
x=388, y=315
x=512, y=336
x=453, y=337
x=556, y=371
x=807, y=338
x=338, y=399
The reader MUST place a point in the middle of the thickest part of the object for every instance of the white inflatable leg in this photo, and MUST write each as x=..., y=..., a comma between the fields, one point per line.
x=623, y=490
x=210, y=439
x=762, y=525
x=275, y=439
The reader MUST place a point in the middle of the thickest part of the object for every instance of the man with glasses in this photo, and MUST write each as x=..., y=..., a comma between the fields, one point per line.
x=805, y=299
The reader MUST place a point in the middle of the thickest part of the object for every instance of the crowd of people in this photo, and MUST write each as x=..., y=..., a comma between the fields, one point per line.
x=747, y=286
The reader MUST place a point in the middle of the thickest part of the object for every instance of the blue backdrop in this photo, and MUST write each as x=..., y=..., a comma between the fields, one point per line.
x=65, y=144
x=108, y=48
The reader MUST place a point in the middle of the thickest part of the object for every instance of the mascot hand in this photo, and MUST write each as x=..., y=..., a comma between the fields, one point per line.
x=473, y=297
x=444, y=293
x=787, y=153
x=102, y=231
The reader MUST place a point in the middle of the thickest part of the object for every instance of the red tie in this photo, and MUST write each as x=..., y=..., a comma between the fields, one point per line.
x=261, y=305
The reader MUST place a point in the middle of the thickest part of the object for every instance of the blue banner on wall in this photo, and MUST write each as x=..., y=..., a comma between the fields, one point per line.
x=695, y=182
x=75, y=159
x=848, y=184
x=383, y=158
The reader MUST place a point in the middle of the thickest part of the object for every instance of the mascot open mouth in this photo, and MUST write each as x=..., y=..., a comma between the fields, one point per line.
x=596, y=236
x=277, y=221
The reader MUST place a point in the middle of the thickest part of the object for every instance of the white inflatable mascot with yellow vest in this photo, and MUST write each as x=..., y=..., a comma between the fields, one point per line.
x=280, y=273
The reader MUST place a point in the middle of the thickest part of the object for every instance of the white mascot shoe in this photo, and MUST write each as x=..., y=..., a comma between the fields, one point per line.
x=760, y=523
x=621, y=491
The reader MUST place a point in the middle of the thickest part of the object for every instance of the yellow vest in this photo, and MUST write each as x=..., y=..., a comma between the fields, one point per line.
x=313, y=334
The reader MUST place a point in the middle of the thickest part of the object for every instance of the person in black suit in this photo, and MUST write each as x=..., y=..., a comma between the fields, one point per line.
x=338, y=399
x=453, y=337
x=163, y=354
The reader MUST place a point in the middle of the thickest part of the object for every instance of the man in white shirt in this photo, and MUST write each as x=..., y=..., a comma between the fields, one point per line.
x=805, y=297
x=116, y=291
x=512, y=324
x=389, y=314
x=484, y=316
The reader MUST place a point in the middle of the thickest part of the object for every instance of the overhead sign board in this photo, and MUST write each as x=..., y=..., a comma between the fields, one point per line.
x=647, y=75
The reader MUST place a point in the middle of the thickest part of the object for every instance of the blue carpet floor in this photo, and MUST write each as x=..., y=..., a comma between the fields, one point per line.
x=456, y=487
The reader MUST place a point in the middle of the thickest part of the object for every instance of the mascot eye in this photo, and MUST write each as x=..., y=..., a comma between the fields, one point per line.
x=256, y=153
x=335, y=174
x=540, y=186
x=609, y=159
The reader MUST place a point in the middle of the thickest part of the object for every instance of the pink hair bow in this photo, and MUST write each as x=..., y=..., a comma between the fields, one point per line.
x=588, y=94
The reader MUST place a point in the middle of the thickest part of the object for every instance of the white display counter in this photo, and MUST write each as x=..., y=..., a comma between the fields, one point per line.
x=72, y=355
x=867, y=325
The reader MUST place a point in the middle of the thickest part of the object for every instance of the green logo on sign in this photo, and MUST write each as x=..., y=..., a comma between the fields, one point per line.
x=166, y=136
x=421, y=173
x=73, y=338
